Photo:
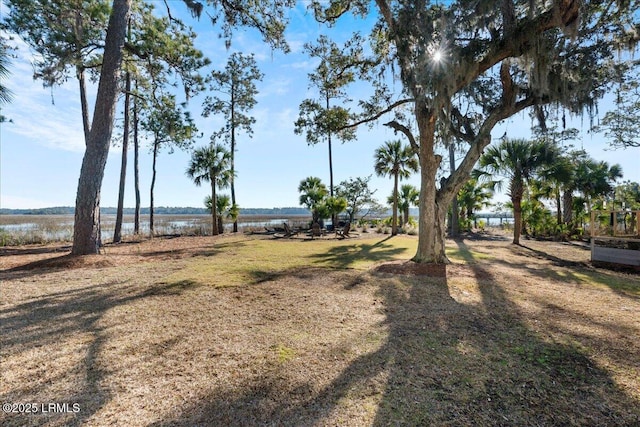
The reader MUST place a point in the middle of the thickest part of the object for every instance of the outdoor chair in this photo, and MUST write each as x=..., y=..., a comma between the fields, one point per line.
x=345, y=232
x=288, y=232
x=316, y=231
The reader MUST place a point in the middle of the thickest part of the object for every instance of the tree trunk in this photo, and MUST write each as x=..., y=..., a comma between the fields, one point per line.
x=333, y=215
x=233, y=156
x=394, y=215
x=153, y=184
x=214, y=208
x=517, y=219
x=455, y=215
x=431, y=217
x=567, y=201
x=84, y=105
x=559, y=206
x=117, y=232
x=86, y=231
x=136, y=166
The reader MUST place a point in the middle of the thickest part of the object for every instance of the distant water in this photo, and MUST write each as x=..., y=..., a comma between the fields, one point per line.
x=54, y=227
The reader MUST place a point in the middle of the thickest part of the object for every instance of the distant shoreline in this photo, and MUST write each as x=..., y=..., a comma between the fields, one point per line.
x=160, y=210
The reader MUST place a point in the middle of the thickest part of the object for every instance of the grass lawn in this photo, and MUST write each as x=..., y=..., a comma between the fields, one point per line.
x=252, y=330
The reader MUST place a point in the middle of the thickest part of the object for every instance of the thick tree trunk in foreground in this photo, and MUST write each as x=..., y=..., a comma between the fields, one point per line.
x=86, y=232
x=431, y=226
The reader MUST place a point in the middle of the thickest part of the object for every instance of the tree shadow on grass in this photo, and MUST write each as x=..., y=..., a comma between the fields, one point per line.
x=443, y=362
x=623, y=284
x=36, y=332
x=348, y=256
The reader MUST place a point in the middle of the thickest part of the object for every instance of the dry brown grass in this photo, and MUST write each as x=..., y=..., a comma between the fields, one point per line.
x=257, y=331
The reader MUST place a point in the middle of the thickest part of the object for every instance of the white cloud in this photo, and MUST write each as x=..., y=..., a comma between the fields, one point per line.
x=49, y=117
x=278, y=86
x=303, y=65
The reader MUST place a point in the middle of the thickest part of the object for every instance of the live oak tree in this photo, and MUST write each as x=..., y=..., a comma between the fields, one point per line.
x=236, y=91
x=622, y=124
x=465, y=66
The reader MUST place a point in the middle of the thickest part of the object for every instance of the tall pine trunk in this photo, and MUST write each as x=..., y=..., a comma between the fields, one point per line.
x=84, y=105
x=333, y=215
x=136, y=165
x=86, y=231
x=233, y=154
x=117, y=232
x=153, y=184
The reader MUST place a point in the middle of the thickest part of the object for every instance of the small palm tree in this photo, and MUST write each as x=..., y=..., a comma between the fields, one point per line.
x=211, y=164
x=471, y=197
x=398, y=161
x=407, y=196
x=312, y=193
x=516, y=160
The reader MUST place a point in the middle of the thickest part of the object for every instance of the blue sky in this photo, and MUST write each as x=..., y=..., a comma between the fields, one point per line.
x=41, y=151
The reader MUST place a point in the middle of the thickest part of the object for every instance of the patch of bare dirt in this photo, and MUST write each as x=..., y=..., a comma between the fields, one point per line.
x=410, y=268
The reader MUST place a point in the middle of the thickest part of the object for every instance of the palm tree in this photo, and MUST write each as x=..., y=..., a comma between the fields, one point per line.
x=312, y=193
x=555, y=180
x=517, y=160
x=224, y=209
x=5, y=94
x=394, y=159
x=407, y=196
x=471, y=197
x=211, y=164
x=596, y=179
